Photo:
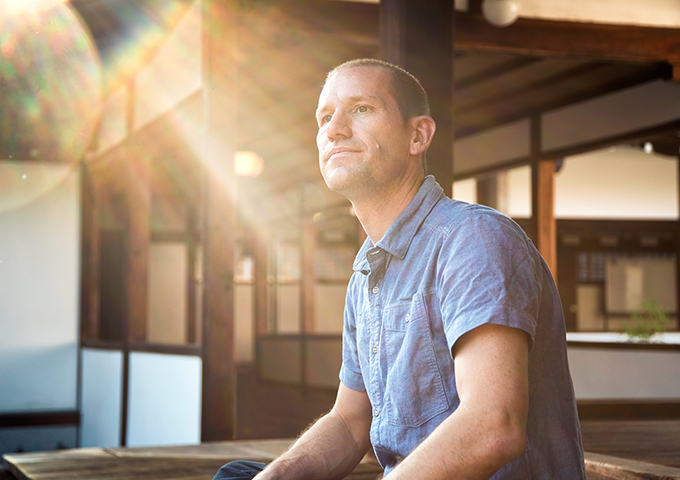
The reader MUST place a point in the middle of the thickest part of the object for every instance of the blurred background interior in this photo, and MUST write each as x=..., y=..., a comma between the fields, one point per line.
x=172, y=266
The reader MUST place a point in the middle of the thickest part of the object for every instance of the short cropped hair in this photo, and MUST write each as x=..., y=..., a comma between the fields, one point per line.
x=409, y=94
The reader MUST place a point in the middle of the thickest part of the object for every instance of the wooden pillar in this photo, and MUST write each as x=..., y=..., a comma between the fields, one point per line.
x=218, y=220
x=487, y=190
x=543, y=211
x=677, y=255
x=91, y=245
x=260, y=296
x=138, y=194
x=418, y=36
x=192, y=242
x=308, y=245
x=139, y=197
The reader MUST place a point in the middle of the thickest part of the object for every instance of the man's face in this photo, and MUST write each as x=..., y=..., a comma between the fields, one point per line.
x=362, y=140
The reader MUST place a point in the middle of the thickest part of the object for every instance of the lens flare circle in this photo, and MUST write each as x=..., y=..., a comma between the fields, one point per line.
x=50, y=91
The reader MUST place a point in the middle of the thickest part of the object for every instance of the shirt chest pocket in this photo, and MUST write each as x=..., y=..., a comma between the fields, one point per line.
x=414, y=391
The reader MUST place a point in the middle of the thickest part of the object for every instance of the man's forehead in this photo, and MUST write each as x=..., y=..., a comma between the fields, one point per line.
x=356, y=83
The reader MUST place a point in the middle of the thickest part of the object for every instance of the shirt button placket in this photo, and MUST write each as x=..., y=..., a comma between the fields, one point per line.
x=375, y=373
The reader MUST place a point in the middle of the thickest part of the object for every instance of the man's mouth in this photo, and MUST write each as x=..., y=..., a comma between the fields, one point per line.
x=340, y=151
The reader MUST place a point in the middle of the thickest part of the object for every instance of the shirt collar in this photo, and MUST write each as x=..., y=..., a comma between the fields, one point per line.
x=399, y=235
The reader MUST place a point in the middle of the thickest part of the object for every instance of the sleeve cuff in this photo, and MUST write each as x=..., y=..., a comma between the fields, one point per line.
x=351, y=379
x=506, y=317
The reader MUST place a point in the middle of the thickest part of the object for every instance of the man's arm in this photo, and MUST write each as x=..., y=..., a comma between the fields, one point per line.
x=332, y=447
x=488, y=429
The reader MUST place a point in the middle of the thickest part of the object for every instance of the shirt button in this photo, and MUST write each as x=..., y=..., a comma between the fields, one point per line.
x=408, y=317
x=375, y=289
x=376, y=412
x=375, y=349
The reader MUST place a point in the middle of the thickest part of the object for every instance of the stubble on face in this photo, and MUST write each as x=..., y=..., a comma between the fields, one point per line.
x=356, y=148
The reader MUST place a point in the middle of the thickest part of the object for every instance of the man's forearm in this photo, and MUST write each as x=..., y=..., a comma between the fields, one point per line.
x=469, y=445
x=327, y=450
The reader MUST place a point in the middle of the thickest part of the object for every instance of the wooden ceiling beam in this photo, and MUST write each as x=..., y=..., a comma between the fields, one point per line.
x=492, y=72
x=550, y=38
x=527, y=36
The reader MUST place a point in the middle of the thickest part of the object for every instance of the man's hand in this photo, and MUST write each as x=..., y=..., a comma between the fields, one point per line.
x=332, y=447
x=488, y=429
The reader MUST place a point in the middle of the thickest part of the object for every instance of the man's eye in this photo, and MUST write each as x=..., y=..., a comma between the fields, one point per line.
x=326, y=118
x=362, y=109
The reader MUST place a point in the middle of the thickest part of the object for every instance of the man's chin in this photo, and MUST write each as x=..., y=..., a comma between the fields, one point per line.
x=343, y=180
x=338, y=184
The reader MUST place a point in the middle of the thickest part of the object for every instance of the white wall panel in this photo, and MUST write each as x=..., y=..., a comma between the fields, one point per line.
x=244, y=325
x=101, y=397
x=167, y=292
x=624, y=373
x=465, y=190
x=624, y=111
x=491, y=147
x=623, y=183
x=39, y=286
x=329, y=307
x=288, y=308
x=164, y=400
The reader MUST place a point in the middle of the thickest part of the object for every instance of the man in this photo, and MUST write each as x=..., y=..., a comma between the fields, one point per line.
x=454, y=351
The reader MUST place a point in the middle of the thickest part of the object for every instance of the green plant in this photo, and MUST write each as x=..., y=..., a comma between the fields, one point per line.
x=650, y=319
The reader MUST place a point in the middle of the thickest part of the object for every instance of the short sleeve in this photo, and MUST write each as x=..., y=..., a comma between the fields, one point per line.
x=488, y=275
x=350, y=371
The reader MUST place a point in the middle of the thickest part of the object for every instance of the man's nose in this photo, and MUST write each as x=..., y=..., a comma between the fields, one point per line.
x=339, y=126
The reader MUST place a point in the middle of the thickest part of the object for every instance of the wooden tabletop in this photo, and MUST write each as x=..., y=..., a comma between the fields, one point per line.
x=615, y=450
x=650, y=441
x=193, y=462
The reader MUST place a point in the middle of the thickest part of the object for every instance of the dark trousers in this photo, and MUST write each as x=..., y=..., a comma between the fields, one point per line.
x=239, y=470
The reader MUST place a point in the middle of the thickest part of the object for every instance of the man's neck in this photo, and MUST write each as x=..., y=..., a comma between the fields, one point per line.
x=378, y=213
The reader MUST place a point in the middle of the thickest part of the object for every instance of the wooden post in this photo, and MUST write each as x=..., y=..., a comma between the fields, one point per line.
x=90, y=255
x=192, y=332
x=138, y=194
x=677, y=256
x=487, y=190
x=418, y=36
x=218, y=220
x=260, y=296
x=308, y=280
x=139, y=235
x=543, y=211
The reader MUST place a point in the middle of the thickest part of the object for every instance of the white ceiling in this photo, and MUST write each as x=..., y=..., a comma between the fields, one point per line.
x=660, y=13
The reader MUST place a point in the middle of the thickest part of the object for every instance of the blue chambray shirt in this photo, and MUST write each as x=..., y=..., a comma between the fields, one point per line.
x=443, y=268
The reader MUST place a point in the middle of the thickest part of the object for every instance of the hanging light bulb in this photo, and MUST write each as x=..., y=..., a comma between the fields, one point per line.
x=500, y=13
x=247, y=164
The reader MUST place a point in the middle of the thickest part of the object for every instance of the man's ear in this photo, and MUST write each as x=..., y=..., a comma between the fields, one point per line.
x=423, y=128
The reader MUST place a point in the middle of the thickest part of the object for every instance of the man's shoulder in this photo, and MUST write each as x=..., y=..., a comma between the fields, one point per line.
x=449, y=216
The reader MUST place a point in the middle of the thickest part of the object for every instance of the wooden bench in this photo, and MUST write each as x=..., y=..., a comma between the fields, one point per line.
x=200, y=462
x=606, y=467
x=194, y=462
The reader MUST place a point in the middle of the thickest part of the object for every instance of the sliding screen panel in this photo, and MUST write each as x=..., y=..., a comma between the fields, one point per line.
x=164, y=400
x=39, y=286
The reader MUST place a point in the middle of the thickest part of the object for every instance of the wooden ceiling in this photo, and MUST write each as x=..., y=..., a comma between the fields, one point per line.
x=500, y=74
